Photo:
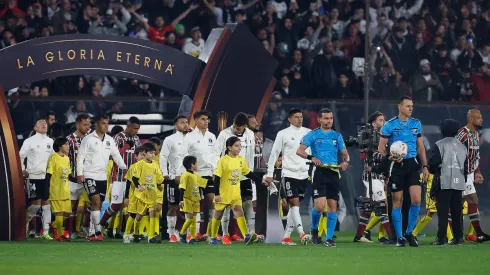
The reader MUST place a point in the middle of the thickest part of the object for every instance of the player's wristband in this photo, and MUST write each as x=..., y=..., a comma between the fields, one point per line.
x=309, y=157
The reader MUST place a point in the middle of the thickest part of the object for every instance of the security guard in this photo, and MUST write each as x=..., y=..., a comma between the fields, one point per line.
x=448, y=164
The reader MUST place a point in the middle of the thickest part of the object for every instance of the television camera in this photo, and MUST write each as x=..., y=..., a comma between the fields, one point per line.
x=367, y=142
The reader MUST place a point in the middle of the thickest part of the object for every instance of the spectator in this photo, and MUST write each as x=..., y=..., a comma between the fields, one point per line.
x=324, y=70
x=401, y=52
x=284, y=89
x=344, y=88
x=275, y=117
x=63, y=15
x=157, y=33
x=171, y=41
x=195, y=46
x=425, y=84
x=11, y=10
x=286, y=34
x=107, y=25
x=73, y=111
x=481, y=84
x=299, y=76
x=52, y=9
x=459, y=48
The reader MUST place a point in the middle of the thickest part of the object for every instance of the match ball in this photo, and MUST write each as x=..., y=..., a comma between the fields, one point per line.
x=398, y=149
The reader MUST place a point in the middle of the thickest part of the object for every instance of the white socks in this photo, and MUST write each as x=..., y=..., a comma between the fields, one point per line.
x=198, y=223
x=95, y=217
x=289, y=225
x=171, y=222
x=225, y=221
x=248, y=208
x=31, y=212
x=296, y=217
x=46, y=217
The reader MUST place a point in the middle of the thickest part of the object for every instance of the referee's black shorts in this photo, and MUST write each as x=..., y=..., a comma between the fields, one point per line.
x=326, y=184
x=404, y=174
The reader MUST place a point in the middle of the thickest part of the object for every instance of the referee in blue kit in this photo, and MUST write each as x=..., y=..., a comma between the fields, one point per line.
x=325, y=144
x=405, y=172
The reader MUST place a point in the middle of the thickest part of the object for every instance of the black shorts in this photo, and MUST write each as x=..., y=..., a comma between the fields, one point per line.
x=326, y=184
x=37, y=190
x=172, y=194
x=405, y=174
x=210, y=187
x=246, y=188
x=95, y=187
x=282, y=191
x=294, y=188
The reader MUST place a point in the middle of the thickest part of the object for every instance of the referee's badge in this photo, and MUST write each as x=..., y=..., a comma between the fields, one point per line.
x=334, y=142
x=414, y=131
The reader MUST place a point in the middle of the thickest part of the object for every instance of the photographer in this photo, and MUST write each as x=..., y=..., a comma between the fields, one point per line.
x=448, y=164
x=369, y=139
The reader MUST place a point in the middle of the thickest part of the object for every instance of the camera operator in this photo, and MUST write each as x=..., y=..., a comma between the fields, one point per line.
x=369, y=139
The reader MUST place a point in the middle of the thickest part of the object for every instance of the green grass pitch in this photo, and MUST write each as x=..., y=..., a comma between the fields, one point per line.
x=115, y=258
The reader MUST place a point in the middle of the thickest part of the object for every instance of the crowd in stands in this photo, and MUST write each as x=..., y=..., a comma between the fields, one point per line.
x=432, y=50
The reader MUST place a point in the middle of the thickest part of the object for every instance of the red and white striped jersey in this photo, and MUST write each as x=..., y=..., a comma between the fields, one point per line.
x=74, y=142
x=127, y=153
x=471, y=140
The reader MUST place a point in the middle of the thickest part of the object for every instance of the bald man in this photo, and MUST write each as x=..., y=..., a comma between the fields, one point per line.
x=470, y=138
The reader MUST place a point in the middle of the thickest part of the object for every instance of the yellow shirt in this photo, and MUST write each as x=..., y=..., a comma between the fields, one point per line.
x=230, y=171
x=149, y=175
x=129, y=176
x=156, y=159
x=59, y=168
x=191, y=182
x=108, y=172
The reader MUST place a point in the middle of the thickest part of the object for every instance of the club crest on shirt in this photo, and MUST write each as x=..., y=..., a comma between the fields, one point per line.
x=108, y=143
x=235, y=173
x=49, y=147
x=210, y=140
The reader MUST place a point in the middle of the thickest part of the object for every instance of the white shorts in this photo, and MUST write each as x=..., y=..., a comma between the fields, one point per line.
x=75, y=190
x=254, y=192
x=118, y=188
x=378, y=190
x=470, y=186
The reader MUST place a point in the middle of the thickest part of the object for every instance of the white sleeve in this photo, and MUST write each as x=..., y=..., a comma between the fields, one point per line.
x=24, y=150
x=251, y=152
x=116, y=156
x=184, y=150
x=164, y=154
x=82, y=153
x=218, y=149
x=276, y=151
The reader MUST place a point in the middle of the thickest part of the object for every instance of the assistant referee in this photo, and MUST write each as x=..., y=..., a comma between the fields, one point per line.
x=325, y=144
x=405, y=171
